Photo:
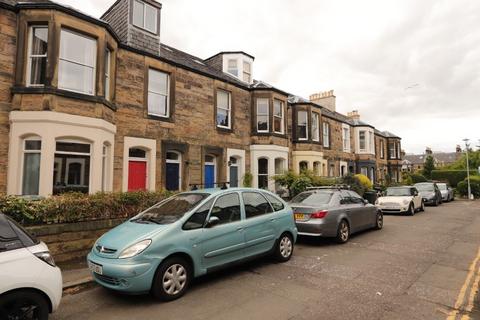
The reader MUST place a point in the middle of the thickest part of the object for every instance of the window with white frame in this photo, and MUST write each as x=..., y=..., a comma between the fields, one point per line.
x=105, y=166
x=78, y=55
x=72, y=173
x=232, y=67
x=362, y=140
x=145, y=16
x=31, y=166
x=302, y=125
x=326, y=134
x=364, y=171
x=346, y=139
x=371, y=142
x=108, y=55
x=392, y=150
x=37, y=56
x=247, y=71
x=158, y=89
x=398, y=151
x=223, y=109
x=263, y=115
x=278, y=116
x=315, y=127
x=382, y=147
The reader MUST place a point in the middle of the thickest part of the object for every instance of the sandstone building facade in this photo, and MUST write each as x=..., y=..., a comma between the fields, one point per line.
x=102, y=105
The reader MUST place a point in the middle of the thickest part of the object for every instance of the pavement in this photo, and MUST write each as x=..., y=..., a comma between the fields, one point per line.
x=421, y=267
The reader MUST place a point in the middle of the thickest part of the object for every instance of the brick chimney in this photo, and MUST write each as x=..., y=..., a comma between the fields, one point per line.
x=325, y=99
x=428, y=150
x=458, y=152
x=354, y=115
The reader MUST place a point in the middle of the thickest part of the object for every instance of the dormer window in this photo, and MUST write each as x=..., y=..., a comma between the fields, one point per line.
x=247, y=71
x=145, y=16
x=233, y=67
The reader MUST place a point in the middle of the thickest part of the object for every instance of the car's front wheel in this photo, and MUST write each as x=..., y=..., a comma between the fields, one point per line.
x=284, y=248
x=411, y=209
x=171, y=279
x=343, y=232
x=24, y=305
x=422, y=206
x=379, y=221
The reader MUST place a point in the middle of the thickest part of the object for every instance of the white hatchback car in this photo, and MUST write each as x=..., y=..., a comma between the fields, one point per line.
x=405, y=199
x=31, y=284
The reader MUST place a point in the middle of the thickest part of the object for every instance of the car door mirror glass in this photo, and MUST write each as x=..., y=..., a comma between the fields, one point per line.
x=212, y=221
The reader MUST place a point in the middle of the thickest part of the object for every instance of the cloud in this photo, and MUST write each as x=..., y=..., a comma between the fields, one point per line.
x=368, y=51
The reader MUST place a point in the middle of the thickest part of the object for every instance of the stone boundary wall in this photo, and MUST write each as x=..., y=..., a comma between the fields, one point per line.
x=72, y=241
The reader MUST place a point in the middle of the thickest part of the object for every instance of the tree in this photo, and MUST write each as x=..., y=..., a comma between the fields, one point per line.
x=428, y=166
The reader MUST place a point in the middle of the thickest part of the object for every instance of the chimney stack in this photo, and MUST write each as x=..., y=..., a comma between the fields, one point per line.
x=428, y=150
x=354, y=115
x=325, y=99
x=458, y=149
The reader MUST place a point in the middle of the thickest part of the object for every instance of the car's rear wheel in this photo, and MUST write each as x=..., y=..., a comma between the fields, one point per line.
x=422, y=206
x=437, y=202
x=284, y=248
x=171, y=279
x=343, y=232
x=411, y=209
x=24, y=305
x=379, y=221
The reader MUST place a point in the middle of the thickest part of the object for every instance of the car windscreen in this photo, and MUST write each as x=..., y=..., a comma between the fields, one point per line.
x=313, y=198
x=170, y=210
x=398, y=192
x=424, y=187
x=442, y=186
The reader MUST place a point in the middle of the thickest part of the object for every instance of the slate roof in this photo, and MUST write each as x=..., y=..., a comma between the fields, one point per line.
x=439, y=157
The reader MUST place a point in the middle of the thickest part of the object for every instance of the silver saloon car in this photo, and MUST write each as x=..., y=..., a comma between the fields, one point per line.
x=446, y=191
x=331, y=212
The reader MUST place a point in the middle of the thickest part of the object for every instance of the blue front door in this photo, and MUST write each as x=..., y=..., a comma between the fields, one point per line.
x=209, y=176
x=173, y=176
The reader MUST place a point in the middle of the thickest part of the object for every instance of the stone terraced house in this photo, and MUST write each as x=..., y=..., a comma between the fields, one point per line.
x=93, y=105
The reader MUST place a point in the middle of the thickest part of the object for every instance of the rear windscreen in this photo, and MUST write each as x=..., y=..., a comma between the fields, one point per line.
x=313, y=198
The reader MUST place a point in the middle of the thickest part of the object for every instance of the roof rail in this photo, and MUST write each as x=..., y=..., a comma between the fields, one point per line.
x=194, y=186
x=336, y=186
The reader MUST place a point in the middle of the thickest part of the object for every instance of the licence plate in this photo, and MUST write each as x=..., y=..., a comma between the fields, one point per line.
x=95, y=267
x=299, y=216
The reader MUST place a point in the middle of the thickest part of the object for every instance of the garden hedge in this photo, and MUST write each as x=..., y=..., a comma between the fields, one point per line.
x=76, y=207
x=462, y=187
x=452, y=176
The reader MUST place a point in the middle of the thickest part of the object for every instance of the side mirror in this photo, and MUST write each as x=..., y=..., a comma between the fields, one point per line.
x=365, y=201
x=212, y=221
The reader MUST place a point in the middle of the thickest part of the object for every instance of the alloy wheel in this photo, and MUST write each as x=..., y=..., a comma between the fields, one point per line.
x=174, y=279
x=23, y=310
x=344, y=232
x=379, y=221
x=285, y=247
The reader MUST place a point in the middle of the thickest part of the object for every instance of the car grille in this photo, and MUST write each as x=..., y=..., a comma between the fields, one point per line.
x=109, y=280
x=390, y=204
x=102, y=249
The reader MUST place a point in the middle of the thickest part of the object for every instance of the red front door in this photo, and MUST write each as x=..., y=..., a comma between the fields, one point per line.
x=137, y=175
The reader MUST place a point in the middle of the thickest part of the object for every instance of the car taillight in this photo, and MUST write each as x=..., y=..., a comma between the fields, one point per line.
x=319, y=214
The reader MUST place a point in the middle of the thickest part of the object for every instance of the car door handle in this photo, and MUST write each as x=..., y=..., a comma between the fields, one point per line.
x=272, y=219
x=240, y=229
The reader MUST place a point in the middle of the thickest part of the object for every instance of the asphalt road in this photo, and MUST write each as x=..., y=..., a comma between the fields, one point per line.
x=420, y=267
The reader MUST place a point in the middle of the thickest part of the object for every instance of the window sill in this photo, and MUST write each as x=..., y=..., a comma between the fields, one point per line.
x=271, y=134
x=63, y=93
x=224, y=129
x=159, y=118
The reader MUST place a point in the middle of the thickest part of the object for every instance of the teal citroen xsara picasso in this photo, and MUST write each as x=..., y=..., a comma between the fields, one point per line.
x=161, y=249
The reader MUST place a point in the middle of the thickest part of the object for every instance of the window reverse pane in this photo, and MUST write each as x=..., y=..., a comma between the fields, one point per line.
x=151, y=19
x=255, y=204
x=138, y=14
x=31, y=174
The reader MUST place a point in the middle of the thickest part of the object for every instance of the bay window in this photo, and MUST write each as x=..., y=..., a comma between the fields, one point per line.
x=315, y=127
x=392, y=150
x=346, y=139
x=158, y=88
x=247, y=71
x=263, y=173
x=223, y=109
x=71, y=167
x=278, y=116
x=76, y=70
x=145, y=16
x=262, y=115
x=326, y=135
x=382, y=147
x=37, y=56
x=302, y=125
x=31, y=166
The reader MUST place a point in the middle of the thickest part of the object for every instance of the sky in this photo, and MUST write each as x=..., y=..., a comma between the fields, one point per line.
x=409, y=67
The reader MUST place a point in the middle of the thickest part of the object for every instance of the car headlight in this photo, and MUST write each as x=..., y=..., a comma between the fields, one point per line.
x=45, y=257
x=135, y=249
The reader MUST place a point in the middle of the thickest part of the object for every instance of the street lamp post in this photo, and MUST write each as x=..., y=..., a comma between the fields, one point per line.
x=468, y=169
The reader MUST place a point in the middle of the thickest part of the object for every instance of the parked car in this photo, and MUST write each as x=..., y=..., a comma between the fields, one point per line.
x=334, y=212
x=446, y=191
x=430, y=193
x=190, y=234
x=31, y=284
x=404, y=199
